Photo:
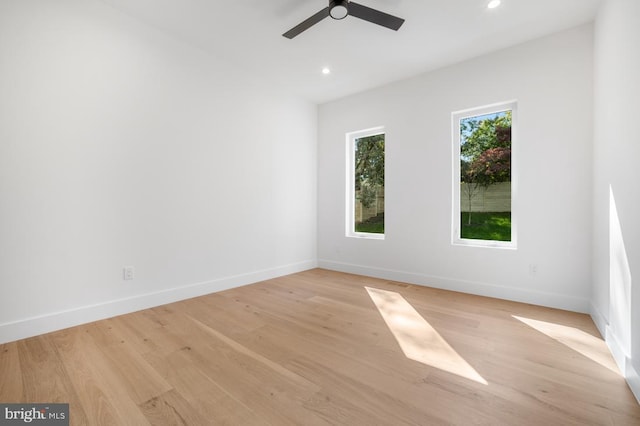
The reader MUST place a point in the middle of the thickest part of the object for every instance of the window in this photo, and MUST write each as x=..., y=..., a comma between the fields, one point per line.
x=484, y=176
x=365, y=191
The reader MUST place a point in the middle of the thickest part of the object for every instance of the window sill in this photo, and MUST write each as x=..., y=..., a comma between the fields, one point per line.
x=508, y=245
x=366, y=236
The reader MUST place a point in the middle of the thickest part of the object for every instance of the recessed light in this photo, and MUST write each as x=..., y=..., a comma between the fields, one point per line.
x=493, y=4
x=326, y=71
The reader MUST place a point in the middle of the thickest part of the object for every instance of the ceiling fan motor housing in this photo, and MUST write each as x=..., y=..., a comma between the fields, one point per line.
x=338, y=9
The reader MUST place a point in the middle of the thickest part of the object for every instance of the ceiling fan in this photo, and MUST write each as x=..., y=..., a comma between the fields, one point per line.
x=340, y=9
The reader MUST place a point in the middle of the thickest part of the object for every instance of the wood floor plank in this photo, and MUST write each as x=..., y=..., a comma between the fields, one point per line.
x=211, y=400
x=45, y=378
x=218, y=311
x=102, y=393
x=361, y=387
x=314, y=348
x=171, y=409
x=393, y=376
x=138, y=379
x=11, y=383
x=145, y=331
x=271, y=392
x=239, y=348
x=90, y=386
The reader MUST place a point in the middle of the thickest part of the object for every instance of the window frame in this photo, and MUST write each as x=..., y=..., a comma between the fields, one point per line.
x=456, y=117
x=350, y=182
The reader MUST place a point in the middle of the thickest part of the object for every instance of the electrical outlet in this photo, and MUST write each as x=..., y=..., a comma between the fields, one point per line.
x=128, y=273
x=533, y=269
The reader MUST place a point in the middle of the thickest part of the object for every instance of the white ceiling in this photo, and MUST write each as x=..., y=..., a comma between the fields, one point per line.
x=361, y=55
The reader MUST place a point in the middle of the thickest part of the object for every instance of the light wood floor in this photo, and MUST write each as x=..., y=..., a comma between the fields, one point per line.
x=313, y=348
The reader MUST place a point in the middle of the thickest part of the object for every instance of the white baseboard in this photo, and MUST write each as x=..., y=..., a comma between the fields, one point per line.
x=624, y=363
x=558, y=301
x=633, y=379
x=619, y=355
x=598, y=319
x=46, y=323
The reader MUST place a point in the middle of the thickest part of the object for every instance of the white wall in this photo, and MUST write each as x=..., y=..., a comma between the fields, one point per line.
x=551, y=79
x=121, y=146
x=616, y=205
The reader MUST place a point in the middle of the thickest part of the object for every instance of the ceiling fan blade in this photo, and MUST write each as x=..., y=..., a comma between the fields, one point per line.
x=307, y=23
x=375, y=16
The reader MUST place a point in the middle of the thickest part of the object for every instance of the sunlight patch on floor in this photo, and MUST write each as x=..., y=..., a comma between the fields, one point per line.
x=417, y=338
x=576, y=339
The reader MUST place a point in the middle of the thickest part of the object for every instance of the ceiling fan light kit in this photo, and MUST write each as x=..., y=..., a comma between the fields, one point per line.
x=340, y=9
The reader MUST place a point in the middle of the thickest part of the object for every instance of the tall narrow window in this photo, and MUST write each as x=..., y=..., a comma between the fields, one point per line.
x=365, y=192
x=483, y=181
